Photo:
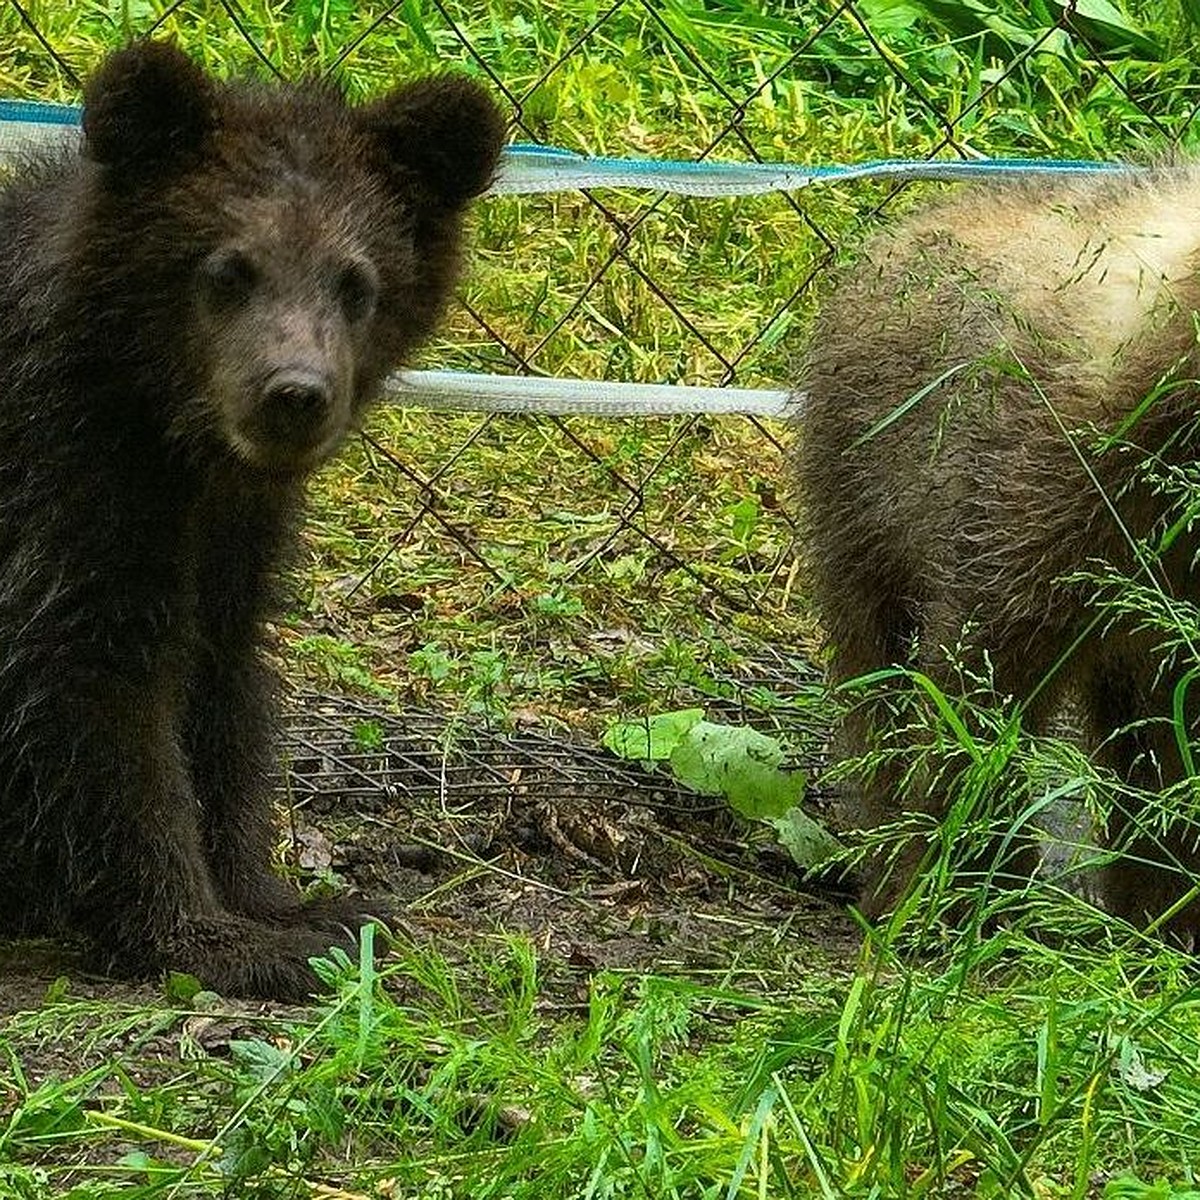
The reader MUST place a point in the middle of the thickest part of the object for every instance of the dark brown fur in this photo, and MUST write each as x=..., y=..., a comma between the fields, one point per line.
x=194, y=312
x=1057, y=311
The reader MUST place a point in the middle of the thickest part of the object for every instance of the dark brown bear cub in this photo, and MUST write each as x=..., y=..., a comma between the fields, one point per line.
x=194, y=311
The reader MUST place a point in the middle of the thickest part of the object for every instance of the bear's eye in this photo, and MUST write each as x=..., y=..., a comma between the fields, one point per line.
x=228, y=277
x=357, y=289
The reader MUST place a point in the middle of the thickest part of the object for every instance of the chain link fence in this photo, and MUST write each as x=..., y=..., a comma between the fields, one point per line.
x=556, y=571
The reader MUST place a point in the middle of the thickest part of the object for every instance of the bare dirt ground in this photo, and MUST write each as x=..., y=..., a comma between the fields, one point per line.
x=599, y=862
x=466, y=834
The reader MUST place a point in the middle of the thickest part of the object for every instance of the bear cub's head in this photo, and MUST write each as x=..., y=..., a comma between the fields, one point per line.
x=270, y=252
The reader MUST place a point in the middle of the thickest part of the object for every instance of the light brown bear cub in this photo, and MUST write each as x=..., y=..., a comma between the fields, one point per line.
x=956, y=482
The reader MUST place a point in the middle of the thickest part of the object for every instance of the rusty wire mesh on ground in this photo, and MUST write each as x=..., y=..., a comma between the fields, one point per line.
x=554, y=572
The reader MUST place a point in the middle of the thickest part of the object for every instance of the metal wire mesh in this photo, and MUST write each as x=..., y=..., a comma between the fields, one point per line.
x=563, y=566
x=349, y=749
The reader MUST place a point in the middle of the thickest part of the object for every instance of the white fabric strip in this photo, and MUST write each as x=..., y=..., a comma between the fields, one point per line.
x=462, y=391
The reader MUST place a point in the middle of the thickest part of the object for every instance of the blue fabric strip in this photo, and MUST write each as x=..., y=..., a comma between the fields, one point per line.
x=34, y=112
x=527, y=169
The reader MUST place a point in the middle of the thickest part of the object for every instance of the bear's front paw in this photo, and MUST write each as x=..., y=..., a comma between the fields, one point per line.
x=237, y=957
x=333, y=914
x=269, y=899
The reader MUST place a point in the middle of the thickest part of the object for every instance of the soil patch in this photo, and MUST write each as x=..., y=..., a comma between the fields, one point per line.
x=460, y=835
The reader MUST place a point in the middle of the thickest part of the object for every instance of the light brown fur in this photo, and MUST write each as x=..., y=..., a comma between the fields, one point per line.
x=1052, y=313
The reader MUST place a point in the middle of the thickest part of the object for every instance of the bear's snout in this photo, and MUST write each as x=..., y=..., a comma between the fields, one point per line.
x=297, y=399
x=293, y=412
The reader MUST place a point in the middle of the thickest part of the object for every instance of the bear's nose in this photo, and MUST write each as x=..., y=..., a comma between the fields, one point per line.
x=296, y=401
x=294, y=411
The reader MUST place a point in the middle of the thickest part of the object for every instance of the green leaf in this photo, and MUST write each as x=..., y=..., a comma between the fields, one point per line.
x=58, y=990
x=948, y=714
x=558, y=604
x=182, y=987
x=1179, y=719
x=651, y=739
x=410, y=13
x=896, y=413
x=743, y=518
x=740, y=764
x=262, y=1060
x=1129, y=1187
x=809, y=843
x=368, y=735
x=970, y=18
x=136, y=1160
x=1104, y=23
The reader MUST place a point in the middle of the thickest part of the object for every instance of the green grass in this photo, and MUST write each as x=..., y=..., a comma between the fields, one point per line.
x=975, y=1062
x=1013, y=1069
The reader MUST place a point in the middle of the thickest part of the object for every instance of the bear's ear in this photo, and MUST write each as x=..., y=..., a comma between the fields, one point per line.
x=445, y=129
x=146, y=105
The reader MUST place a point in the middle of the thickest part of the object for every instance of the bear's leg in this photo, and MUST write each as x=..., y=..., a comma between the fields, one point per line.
x=230, y=721
x=132, y=851
x=870, y=629
x=1132, y=721
x=948, y=655
x=230, y=738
